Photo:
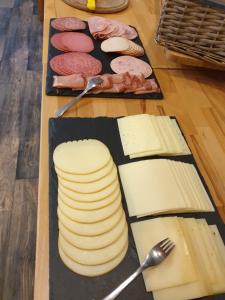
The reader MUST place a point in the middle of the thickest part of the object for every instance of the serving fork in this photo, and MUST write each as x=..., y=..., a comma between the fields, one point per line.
x=93, y=82
x=154, y=257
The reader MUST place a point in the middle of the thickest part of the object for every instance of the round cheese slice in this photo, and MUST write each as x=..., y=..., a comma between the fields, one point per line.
x=91, y=229
x=90, y=197
x=92, y=271
x=88, y=177
x=94, y=257
x=81, y=157
x=91, y=187
x=89, y=216
x=89, y=205
x=93, y=242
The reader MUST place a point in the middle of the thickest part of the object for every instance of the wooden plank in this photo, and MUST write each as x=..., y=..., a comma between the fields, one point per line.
x=196, y=98
x=20, y=251
x=29, y=127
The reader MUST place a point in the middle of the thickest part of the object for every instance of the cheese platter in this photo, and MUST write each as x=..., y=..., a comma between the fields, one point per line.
x=65, y=282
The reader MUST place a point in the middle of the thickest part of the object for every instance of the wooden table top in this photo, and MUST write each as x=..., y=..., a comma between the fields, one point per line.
x=195, y=97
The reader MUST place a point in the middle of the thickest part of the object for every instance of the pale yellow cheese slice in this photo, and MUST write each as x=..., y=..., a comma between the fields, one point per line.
x=218, y=243
x=178, y=268
x=200, y=189
x=93, y=242
x=89, y=205
x=137, y=134
x=89, y=216
x=189, y=187
x=88, y=177
x=176, y=172
x=81, y=157
x=97, y=256
x=218, y=285
x=204, y=263
x=196, y=289
x=92, y=271
x=142, y=184
x=164, y=131
x=91, y=187
x=90, y=197
x=93, y=229
x=180, y=138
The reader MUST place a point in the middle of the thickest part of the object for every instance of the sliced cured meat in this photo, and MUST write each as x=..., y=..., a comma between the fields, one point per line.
x=72, y=42
x=112, y=83
x=75, y=81
x=122, y=45
x=130, y=64
x=76, y=63
x=102, y=28
x=96, y=24
x=68, y=24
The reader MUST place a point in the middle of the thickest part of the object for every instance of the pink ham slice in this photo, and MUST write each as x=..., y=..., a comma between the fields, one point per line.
x=103, y=28
x=68, y=24
x=130, y=64
x=75, y=81
x=112, y=83
x=76, y=63
x=72, y=42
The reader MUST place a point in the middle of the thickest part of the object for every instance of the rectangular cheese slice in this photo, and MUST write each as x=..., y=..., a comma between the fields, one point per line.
x=138, y=134
x=180, y=137
x=196, y=289
x=177, y=268
x=149, y=187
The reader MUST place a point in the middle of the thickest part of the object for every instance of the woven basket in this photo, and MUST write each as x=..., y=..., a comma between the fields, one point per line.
x=194, y=27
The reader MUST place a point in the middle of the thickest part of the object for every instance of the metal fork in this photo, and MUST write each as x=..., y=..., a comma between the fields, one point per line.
x=155, y=256
x=93, y=82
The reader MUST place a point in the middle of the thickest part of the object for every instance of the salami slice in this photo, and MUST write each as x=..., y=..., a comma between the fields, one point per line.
x=68, y=24
x=76, y=63
x=72, y=42
x=130, y=64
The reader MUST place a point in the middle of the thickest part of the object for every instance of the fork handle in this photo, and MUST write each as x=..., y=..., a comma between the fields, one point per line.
x=64, y=108
x=124, y=284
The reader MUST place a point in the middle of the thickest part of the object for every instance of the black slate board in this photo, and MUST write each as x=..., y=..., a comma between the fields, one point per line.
x=105, y=58
x=64, y=284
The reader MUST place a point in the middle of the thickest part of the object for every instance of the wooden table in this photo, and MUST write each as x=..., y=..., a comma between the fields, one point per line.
x=196, y=98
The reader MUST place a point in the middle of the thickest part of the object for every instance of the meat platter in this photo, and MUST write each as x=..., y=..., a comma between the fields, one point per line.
x=100, y=62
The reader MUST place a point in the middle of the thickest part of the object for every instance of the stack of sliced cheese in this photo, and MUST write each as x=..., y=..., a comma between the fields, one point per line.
x=93, y=233
x=196, y=266
x=163, y=186
x=146, y=135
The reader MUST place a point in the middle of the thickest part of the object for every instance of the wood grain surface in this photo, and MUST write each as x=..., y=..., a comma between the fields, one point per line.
x=20, y=85
x=196, y=98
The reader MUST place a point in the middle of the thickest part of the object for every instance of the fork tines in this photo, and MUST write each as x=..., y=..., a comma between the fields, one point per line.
x=167, y=245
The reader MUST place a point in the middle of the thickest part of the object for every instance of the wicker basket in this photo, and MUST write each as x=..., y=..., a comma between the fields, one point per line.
x=194, y=27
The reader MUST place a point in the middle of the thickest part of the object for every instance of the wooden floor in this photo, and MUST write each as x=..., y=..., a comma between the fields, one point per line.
x=20, y=99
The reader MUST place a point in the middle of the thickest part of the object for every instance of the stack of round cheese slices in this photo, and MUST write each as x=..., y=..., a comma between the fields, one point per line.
x=93, y=233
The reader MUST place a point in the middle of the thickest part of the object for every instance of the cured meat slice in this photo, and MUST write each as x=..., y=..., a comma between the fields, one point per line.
x=130, y=64
x=76, y=63
x=75, y=81
x=68, y=24
x=122, y=45
x=103, y=28
x=112, y=83
x=72, y=42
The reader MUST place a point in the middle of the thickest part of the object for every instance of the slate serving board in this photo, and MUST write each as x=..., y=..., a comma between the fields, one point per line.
x=105, y=58
x=64, y=284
